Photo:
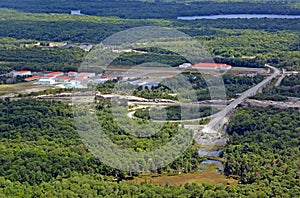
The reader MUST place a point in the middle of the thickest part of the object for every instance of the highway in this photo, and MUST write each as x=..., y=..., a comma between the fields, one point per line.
x=219, y=119
x=252, y=91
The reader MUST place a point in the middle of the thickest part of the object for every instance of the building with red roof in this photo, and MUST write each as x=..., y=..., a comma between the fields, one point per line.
x=21, y=73
x=55, y=74
x=72, y=74
x=48, y=77
x=62, y=78
x=33, y=78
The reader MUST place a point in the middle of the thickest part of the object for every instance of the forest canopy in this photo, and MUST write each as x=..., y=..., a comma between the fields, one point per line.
x=48, y=158
x=153, y=9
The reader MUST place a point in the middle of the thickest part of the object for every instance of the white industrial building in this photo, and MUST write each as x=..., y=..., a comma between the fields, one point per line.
x=21, y=73
x=46, y=81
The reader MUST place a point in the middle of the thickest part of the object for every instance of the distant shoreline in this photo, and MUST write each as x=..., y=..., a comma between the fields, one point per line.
x=240, y=16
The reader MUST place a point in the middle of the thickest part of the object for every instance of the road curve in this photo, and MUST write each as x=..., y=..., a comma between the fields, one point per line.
x=218, y=119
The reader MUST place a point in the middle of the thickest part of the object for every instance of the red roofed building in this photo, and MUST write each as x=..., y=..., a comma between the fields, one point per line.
x=48, y=77
x=72, y=74
x=62, y=78
x=21, y=73
x=55, y=74
x=47, y=80
x=33, y=78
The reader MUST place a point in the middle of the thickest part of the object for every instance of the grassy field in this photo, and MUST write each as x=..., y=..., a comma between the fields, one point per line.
x=21, y=88
x=208, y=176
x=16, y=87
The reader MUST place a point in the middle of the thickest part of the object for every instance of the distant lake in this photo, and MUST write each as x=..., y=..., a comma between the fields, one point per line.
x=240, y=16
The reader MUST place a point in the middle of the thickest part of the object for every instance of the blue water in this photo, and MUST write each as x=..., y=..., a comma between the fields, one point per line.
x=209, y=153
x=240, y=16
x=206, y=163
x=212, y=162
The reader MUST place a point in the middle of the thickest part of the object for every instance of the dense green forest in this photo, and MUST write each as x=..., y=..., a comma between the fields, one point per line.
x=289, y=87
x=173, y=113
x=154, y=9
x=42, y=155
x=264, y=150
x=39, y=142
x=239, y=42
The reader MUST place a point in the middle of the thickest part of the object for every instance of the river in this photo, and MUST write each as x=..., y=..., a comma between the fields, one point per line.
x=240, y=16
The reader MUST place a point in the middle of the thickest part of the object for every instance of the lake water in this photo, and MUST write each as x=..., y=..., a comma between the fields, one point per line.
x=218, y=163
x=204, y=164
x=209, y=153
x=240, y=16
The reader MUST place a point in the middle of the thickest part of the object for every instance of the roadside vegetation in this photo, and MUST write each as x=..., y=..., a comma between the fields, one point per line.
x=289, y=87
x=46, y=157
x=264, y=149
x=173, y=113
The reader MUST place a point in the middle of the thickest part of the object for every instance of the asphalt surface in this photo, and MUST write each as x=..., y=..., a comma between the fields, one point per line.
x=219, y=118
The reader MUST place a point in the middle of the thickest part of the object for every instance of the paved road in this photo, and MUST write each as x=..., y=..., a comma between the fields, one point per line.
x=277, y=84
x=178, y=104
x=252, y=91
x=219, y=118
